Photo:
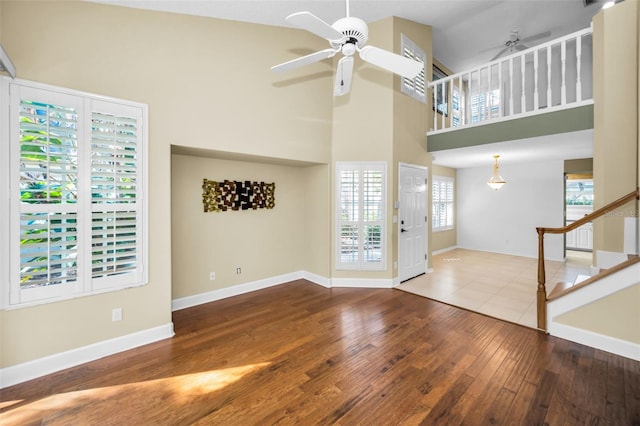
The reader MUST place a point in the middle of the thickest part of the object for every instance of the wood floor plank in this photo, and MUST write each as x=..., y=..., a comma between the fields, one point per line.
x=301, y=354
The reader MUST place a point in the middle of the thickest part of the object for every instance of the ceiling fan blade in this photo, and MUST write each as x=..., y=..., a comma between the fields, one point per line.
x=344, y=72
x=535, y=37
x=391, y=62
x=521, y=47
x=308, y=21
x=499, y=54
x=304, y=60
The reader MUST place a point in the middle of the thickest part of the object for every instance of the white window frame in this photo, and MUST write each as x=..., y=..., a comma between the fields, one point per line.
x=362, y=263
x=416, y=87
x=13, y=296
x=436, y=199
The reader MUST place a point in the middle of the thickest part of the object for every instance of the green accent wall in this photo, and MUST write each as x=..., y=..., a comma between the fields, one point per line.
x=568, y=120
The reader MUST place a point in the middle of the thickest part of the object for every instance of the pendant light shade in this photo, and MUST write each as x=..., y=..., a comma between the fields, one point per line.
x=496, y=181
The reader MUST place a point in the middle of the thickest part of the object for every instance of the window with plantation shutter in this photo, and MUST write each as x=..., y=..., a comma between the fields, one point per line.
x=442, y=203
x=360, y=236
x=73, y=189
x=416, y=87
x=115, y=214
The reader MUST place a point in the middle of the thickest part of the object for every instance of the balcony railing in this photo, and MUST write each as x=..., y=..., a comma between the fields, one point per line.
x=549, y=77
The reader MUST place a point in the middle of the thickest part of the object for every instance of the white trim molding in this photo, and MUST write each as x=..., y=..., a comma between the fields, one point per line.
x=223, y=293
x=29, y=370
x=362, y=282
x=599, y=341
x=444, y=250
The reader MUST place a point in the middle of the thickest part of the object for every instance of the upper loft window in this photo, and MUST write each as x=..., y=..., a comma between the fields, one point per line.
x=75, y=217
x=416, y=87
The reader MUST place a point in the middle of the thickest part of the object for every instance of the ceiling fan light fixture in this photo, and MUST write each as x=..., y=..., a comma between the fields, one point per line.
x=496, y=181
x=347, y=35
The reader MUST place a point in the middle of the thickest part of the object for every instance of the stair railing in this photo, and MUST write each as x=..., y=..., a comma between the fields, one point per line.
x=542, y=291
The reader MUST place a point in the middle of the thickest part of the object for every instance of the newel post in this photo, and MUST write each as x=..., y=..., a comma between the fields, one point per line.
x=542, y=292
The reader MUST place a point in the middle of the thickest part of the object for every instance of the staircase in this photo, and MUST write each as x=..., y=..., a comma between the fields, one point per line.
x=616, y=277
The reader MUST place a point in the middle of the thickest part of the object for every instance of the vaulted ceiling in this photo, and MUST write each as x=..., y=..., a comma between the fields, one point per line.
x=465, y=32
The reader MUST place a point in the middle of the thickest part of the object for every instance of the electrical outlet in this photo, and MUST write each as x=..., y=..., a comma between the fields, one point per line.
x=116, y=314
x=238, y=271
x=212, y=276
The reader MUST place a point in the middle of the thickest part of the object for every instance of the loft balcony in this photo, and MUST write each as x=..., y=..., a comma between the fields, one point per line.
x=542, y=90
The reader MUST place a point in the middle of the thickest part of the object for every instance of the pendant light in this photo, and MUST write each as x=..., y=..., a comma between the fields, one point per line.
x=496, y=180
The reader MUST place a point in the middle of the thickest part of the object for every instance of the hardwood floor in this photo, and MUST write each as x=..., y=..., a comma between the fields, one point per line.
x=303, y=354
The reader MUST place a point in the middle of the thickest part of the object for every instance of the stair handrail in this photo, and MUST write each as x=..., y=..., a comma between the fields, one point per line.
x=542, y=291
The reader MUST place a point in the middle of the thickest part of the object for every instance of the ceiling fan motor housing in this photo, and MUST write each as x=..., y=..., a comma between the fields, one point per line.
x=354, y=29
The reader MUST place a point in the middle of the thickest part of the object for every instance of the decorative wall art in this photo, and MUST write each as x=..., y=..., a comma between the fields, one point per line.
x=237, y=195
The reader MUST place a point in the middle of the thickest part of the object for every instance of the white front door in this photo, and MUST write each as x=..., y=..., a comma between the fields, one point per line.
x=412, y=221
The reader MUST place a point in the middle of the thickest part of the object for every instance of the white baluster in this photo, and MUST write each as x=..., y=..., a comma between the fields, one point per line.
x=460, y=96
x=442, y=86
x=578, y=68
x=468, y=100
x=549, y=104
x=500, y=102
x=511, y=112
x=489, y=93
x=536, y=97
x=524, y=95
x=434, y=89
x=563, y=61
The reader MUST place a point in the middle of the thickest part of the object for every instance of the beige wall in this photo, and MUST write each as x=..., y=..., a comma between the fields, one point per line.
x=376, y=122
x=208, y=86
x=446, y=239
x=363, y=127
x=615, y=152
x=616, y=159
x=616, y=315
x=410, y=124
x=220, y=242
x=582, y=165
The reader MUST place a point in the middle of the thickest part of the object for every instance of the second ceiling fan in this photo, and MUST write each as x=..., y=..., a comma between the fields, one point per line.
x=516, y=43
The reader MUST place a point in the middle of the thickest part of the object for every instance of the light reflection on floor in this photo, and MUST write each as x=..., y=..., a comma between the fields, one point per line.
x=90, y=406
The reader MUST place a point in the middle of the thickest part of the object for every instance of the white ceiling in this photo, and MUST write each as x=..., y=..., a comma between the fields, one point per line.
x=466, y=33
x=562, y=146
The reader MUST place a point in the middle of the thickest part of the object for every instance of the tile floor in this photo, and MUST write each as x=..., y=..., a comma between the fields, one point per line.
x=497, y=285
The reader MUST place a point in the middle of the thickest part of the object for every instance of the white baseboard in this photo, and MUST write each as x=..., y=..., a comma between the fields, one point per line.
x=599, y=341
x=444, y=250
x=50, y=364
x=362, y=282
x=236, y=290
x=317, y=279
x=223, y=293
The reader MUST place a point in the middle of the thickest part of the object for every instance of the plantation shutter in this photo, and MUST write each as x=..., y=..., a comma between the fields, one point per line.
x=415, y=87
x=75, y=172
x=360, y=215
x=46, y=127
x=116, y=193
x=442, y=203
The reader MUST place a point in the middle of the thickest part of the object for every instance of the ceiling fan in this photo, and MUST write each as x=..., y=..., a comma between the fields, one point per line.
x=347, y=35
x=515, y=42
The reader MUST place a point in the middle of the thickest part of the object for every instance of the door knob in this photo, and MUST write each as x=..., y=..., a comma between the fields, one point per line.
x=403, y=230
